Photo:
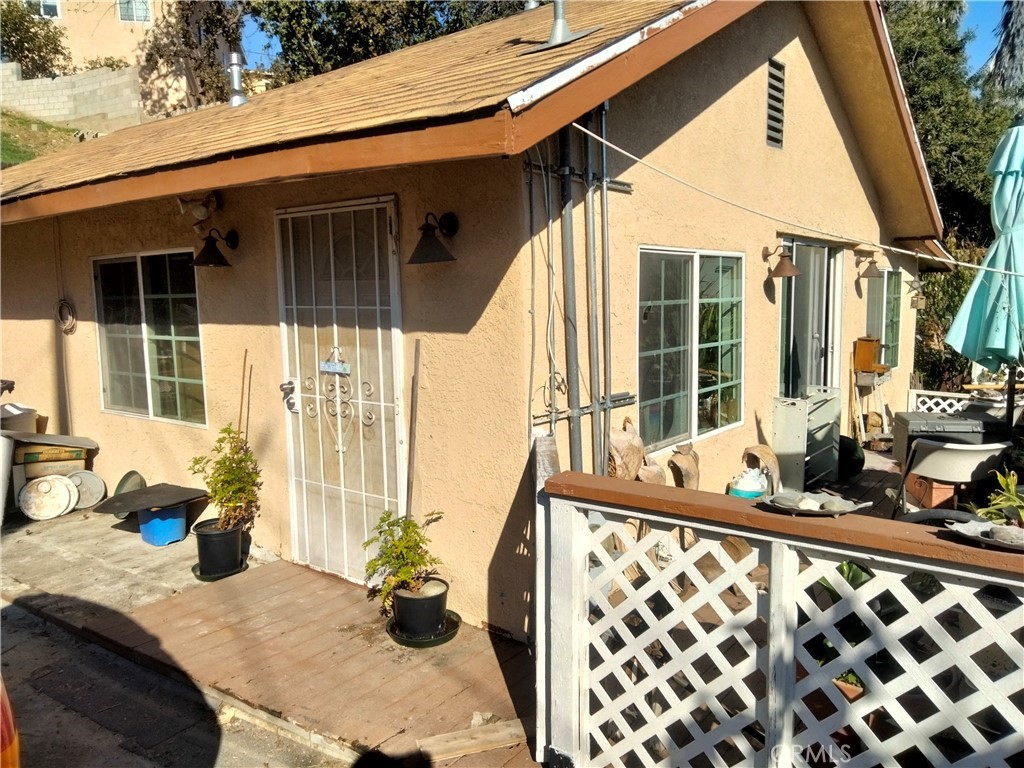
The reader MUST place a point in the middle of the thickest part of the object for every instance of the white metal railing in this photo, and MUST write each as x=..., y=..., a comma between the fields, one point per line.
x=667, y=640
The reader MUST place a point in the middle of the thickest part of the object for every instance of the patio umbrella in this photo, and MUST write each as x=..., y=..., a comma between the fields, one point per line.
x=987, y=327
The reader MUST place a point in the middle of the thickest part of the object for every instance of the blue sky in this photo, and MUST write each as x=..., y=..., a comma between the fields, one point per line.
x=983, y=17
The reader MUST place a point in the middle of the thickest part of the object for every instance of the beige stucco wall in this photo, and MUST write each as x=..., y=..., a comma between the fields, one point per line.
x=471, y=447
x=95, y=30
x=701, y=117
x=818, y=183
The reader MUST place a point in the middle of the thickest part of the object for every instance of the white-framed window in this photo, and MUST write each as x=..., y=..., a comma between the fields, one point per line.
x=148, y=318
x=690, y=343
x=133, y=10
x=884, y=295
x=48, y=9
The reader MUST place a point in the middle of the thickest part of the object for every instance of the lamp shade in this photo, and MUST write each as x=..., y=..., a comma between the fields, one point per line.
x=871, y=270
x=209, y=255
x=786, y=267
x=430, y=250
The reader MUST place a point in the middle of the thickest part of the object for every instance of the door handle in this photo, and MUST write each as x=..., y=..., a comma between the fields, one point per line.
x=288, y=395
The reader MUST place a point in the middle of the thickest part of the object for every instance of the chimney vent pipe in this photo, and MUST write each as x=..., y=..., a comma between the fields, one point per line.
x=235, y=79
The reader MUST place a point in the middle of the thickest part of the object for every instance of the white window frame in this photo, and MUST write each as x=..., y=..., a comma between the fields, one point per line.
x=692, y=387
x=41, y=4
x=133, y=4
x=102, y=352
x=878, y=326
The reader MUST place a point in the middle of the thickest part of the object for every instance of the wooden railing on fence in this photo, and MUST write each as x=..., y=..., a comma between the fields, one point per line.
x=687, y=628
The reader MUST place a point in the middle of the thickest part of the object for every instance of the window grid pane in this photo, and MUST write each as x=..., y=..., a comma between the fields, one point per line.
x=159, y=327
x=891, y=342
x=883, y=319
x=677, y=360
x=719, y=377
x=664, y=346
x=133, y=10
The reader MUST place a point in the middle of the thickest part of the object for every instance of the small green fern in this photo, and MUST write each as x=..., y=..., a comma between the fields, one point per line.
x=402, y=560
x=232, y=478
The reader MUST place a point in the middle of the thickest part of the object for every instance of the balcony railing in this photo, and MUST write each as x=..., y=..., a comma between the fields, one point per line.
x=679, y=628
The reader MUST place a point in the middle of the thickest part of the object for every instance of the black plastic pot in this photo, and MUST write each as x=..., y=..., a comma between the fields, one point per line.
x=220, y=552
x=421, y=615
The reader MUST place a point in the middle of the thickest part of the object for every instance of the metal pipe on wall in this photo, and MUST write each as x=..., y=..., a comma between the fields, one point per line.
x=572, y=364
x=606, y=309
x=593, y=352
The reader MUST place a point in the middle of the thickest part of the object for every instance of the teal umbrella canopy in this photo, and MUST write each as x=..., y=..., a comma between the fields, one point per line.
x=988, y=326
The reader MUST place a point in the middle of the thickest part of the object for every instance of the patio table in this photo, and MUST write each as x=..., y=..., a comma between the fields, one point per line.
x=159, y=496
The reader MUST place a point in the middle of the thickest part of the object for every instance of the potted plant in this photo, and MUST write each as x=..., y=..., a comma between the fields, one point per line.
x=232, y=478
x=403, y=576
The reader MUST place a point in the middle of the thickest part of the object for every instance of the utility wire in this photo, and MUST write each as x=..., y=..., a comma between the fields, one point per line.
x=787, y=222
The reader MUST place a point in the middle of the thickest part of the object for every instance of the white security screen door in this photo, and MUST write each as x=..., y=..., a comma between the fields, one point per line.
x=341, y=349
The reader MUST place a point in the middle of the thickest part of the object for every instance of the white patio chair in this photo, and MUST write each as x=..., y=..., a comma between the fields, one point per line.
x=955, y=464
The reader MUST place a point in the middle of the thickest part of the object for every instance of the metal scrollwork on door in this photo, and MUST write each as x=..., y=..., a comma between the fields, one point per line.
x=367, y=389
x=369, y=418
x=309, y=384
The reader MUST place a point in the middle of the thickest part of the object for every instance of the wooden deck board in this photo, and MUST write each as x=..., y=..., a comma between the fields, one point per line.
x=309, y=647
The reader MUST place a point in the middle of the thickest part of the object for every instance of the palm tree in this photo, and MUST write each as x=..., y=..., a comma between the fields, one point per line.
x=1007, y=72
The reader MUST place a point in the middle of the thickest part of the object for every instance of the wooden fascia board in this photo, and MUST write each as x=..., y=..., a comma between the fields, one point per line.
x=481, y=137
x=892, y=76
x=588, y=91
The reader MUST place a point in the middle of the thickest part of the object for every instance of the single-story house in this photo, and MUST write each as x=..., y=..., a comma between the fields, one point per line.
x=615, y=192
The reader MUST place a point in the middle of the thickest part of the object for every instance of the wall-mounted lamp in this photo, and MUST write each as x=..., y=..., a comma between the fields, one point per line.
x=785, y=267
x=430, y=250
x=866, y=252
x=871, y=270
x=201, y=208
x=209, y=255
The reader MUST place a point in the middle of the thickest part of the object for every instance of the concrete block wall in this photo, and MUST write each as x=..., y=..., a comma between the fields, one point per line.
x=99, y=100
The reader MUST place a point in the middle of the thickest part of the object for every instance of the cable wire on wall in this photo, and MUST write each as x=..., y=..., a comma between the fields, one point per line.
x=787, y=222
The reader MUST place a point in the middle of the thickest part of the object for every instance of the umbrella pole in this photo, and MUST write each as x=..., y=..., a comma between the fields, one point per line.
x=1011, y=393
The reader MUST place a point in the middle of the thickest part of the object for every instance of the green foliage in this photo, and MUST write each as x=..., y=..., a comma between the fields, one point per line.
x=33, y=41
x=937, y=364
x=1005, y=505
x=1007, y=74
x=958, y=119
x=232, y=478
x=190, y=40
x=110, y=62
x=318, y=36
x=403, y=560
x=25, y=138
x=851, y=627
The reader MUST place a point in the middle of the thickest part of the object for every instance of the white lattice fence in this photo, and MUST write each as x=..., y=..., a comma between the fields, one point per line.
x=724, y=652
x=926, y=401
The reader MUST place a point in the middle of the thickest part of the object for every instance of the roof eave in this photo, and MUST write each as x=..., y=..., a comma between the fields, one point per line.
x=483, y=136
x=503, y=132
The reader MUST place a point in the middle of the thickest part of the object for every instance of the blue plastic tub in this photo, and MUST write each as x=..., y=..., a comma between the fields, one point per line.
x=161, y=527
x=745, y=494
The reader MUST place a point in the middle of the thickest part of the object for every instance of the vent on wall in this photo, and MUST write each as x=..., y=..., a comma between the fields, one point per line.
x=776, y=101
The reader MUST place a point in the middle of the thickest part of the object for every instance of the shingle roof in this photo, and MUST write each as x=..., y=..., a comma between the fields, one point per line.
x=462, y=74
x=478, y=93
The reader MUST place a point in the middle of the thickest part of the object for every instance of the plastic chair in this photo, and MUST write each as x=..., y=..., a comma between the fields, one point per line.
x=955, y=464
